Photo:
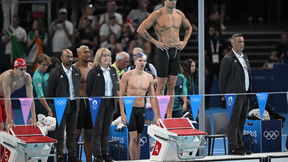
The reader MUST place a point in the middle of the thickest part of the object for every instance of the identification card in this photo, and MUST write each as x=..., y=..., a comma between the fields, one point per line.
x=215, y=59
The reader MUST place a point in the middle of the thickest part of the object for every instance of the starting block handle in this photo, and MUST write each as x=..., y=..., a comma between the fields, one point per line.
x=160, y=137
x=6, y=143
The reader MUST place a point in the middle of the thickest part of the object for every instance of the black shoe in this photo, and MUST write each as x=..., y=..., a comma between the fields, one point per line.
x=98, y=158
x=73, y=158
x=107, y=158
x=236, y=152
x=60, y=158
x=247, y=152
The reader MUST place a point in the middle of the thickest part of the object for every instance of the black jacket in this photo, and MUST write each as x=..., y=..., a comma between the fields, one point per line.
x=95, y=84
x=58, y=84
x=232, y=77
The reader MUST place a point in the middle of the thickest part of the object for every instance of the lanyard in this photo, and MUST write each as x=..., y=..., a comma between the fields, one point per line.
x=212, y=46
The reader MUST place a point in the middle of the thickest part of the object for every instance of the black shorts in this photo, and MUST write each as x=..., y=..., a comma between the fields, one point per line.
x=168, y=62
x=137, y=119
x=84, y=115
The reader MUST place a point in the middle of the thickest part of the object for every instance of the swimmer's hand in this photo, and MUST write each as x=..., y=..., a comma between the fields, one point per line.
x=180, y=45
x=161, y=45
x=33, y=122
x=156, y=119
x=9, y=123
x=124, y=119
x=50, y=113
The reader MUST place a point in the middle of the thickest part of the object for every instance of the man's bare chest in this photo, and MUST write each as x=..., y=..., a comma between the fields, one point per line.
x=16, y=84
x=138, y=83
x=84, y=74
x=169, y=22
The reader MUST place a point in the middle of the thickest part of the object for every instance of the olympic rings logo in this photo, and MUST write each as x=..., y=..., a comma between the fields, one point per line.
x=127, y=101
x=196, y=99
x=25, y=103
x=60, y=102
x=142, y=141
x=163, y=101
x=271, y=134
x=262, y=97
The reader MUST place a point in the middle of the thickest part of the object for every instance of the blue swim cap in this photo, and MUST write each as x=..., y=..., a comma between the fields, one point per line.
x=141, y=55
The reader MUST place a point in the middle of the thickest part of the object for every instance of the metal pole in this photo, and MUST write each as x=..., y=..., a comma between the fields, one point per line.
x=201, y=67
x=201, y=29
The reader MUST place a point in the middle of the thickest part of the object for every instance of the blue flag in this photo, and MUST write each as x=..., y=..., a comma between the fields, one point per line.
x=195, y=103
x=230, y=100
x=94, y=103
x=60, y=105
x=128, y=102
x=262, y=99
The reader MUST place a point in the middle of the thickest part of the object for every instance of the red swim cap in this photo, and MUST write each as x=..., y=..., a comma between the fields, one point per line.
x=19, y=62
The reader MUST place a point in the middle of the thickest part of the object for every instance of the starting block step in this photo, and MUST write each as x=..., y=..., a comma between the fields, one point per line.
x=176, y=139
x=25, y=143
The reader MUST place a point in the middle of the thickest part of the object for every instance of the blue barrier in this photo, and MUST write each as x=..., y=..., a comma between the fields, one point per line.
x=266, y=135
x=123, y=138
x=272, y=81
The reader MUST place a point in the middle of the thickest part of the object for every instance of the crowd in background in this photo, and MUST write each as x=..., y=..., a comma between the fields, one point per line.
x=80, y=24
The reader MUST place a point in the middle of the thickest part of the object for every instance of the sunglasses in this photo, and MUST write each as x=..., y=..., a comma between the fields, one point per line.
x=173, y=0
x=22, y=68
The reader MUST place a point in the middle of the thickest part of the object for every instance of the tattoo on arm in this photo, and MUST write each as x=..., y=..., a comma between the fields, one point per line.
x=147, y=35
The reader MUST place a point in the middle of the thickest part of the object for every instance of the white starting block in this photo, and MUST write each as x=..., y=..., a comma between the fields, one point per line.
x=176, y=139
x=25, y=143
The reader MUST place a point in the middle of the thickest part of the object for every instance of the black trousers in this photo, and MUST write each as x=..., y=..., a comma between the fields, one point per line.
x=69, y=120
x=100, y=137
x=237, y=121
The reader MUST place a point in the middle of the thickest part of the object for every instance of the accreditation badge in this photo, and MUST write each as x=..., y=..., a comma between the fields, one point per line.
x=215, y=58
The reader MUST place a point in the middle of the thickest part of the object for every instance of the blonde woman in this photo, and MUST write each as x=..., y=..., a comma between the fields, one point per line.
x=102, y=82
